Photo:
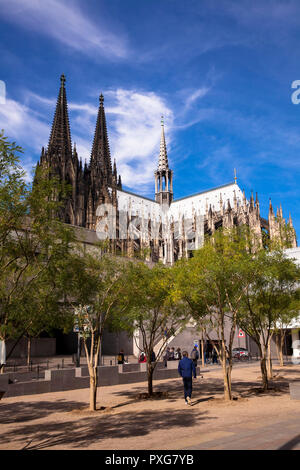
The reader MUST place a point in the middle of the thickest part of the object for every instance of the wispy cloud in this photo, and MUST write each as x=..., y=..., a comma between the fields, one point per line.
x=192, y=98
x=67, y=23
x=135, y=120
x=25, y=126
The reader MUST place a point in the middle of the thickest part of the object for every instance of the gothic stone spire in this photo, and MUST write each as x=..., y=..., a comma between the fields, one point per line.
x=60, y=137
x=100, y=156
x=163, y=157
x=163, y=174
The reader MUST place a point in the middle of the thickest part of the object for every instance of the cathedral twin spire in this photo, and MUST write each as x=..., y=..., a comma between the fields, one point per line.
x=60, y=142
x=60, y=138
x=100, y=156
x=90, y=185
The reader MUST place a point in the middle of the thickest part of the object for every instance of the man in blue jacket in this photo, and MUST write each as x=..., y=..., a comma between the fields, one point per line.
x=187, y=370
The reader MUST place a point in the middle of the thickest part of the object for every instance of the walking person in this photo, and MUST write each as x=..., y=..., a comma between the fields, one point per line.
x=178, y=354
x=121, y=357
x=195, y=355
x=172, y=354
x=187, y=371
x=142, y=357
x=166, y=356
x=214, y=357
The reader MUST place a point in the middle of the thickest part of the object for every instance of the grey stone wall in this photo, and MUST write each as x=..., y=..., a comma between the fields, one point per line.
x=40, y=347
x=72, y=379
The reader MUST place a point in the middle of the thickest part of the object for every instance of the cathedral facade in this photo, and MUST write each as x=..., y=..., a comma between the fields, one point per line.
x=163, y=228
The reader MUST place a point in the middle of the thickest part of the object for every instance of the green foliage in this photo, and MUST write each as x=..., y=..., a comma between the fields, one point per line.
x=212, y=284
x=272, y=296
x=33, y=252
x=97, y=280
x=150, y=307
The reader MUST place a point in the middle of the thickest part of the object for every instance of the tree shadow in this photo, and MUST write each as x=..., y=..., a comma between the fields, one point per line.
x=290, y=444
x=95, y=429
x=209, y=388
x=29, y=411
x=201, y=400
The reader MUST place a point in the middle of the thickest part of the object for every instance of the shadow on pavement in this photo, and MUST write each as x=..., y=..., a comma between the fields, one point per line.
x=290, y=444
x=87, y=431
x=20, y=412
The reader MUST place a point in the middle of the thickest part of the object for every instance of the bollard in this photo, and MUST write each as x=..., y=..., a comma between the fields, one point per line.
x=111, y=363
x=58, y=366
x=37, y=371
x=62, y=364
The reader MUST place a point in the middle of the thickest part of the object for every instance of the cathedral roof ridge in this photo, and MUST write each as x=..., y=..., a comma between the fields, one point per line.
x=206, y=191
x=137, y=195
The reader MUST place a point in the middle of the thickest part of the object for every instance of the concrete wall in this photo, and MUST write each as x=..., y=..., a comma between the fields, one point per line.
x=185, y=339
x=40, y=347
x=72, y=379
x=114, y=342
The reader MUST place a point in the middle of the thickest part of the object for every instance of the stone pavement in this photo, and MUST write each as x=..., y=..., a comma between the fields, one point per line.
x=123, y=421
x=279, y=435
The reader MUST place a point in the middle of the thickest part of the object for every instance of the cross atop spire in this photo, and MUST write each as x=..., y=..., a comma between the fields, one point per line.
x=163, y=157
x=60, y=137
x=235, y=177
x=100, y=156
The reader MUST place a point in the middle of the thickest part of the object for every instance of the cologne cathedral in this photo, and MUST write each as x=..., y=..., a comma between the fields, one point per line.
x=159, y=225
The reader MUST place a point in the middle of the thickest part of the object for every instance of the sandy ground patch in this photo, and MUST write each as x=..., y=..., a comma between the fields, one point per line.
x=61, y=420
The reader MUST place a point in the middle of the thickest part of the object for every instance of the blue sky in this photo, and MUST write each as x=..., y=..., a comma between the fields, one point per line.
x=219, y=71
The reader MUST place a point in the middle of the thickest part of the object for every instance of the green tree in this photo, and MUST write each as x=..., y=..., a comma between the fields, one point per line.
x=33, y=244
x=151, y=310
x=212, y=283
x=97, y=285
x=272, y=296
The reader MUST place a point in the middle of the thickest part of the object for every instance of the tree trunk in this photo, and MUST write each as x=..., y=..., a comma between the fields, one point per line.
x=150, y=379
x=28, y=350
x=202, y=352
x=279, y=339
x=2, y=365
x=93, y=388
x=226, y=375
x=269, y=361
x=227, y=381
x=264, y=372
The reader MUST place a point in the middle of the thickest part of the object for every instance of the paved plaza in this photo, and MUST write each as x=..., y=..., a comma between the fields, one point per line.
x=253, y=421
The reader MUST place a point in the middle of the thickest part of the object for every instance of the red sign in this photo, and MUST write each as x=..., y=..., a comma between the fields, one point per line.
x=241, y=334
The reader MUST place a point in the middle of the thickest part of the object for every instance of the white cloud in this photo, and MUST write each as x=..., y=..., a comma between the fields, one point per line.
x=133, y=120
x=67, y=23
x=22, y=124
x=191, y=99
x=134, y=123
